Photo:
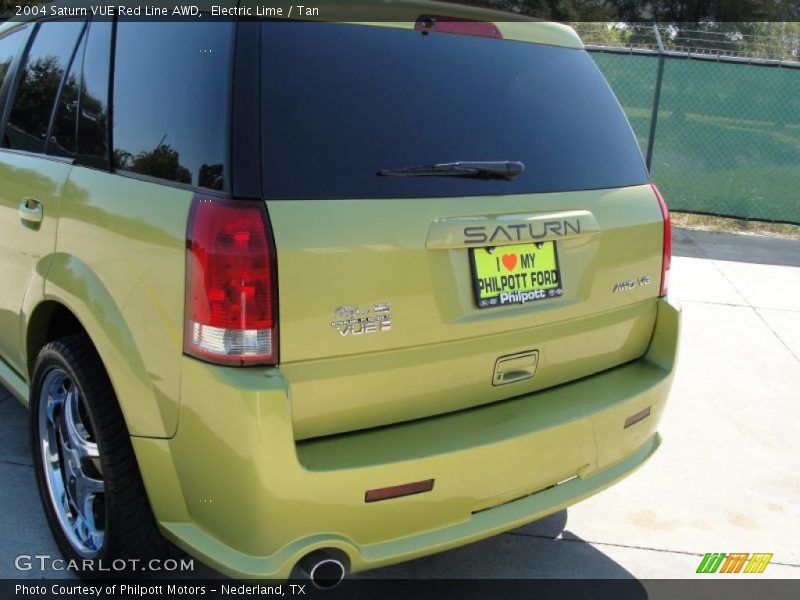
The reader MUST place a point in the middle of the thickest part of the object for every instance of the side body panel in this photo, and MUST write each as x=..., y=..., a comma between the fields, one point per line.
x=119, y=267
x=25, y=247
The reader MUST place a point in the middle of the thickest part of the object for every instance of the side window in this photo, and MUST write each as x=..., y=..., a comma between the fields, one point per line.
x=81, y=122
x=9, y=48
x=65, y=123
x=172, y=90
x=49, y=56
x=93, y=119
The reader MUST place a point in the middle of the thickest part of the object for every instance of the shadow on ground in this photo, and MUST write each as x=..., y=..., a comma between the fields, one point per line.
x=540, y=550
x=754, y=249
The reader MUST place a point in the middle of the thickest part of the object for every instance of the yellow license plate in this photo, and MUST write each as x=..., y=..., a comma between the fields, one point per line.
x=515, y=274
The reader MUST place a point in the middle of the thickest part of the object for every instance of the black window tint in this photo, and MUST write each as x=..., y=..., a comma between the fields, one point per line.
x=9, y=48
x=172, y=93
x=44, y=68
x=341, y=102
x=93, y=122
x=65, y=123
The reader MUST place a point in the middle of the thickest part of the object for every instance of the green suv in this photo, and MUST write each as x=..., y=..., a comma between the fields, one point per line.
x=323, y=294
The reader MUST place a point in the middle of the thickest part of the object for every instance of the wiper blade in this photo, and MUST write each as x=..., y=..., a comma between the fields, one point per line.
x=501, y=169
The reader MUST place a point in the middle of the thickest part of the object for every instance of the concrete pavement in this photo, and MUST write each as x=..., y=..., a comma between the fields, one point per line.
x=725, y=480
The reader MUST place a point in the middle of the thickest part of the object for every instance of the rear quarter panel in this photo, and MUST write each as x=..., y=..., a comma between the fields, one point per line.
x=119, y=266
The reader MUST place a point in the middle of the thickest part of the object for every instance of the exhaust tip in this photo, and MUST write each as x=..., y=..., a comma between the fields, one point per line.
x=323, y=569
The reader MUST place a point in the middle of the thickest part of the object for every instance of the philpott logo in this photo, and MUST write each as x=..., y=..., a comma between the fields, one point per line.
x=737, y=562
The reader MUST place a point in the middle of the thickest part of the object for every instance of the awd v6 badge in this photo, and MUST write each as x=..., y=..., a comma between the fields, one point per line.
x=352, y=320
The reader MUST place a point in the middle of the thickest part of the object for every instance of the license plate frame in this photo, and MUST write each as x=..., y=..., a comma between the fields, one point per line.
x=491, y=285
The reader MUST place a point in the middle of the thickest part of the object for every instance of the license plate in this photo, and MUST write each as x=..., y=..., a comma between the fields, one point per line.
x=515, y=274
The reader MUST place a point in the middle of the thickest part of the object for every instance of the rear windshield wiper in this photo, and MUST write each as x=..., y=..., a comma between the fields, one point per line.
x=501, y=169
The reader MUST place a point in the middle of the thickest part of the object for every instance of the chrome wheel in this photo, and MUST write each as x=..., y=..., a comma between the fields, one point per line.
x=71, y=463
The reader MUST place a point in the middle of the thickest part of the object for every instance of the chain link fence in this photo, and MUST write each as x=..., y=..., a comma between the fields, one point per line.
x=721, y=130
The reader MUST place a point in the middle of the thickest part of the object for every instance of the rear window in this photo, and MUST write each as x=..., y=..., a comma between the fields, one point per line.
x=341, y=102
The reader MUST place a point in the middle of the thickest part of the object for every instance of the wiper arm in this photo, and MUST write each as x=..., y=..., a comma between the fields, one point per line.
x=501, y=169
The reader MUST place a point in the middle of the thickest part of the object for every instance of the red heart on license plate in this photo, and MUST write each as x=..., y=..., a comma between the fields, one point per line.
x=509, y=261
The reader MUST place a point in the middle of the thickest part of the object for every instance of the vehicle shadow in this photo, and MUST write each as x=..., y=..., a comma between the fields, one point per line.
x=542, y=550
x=756, y=249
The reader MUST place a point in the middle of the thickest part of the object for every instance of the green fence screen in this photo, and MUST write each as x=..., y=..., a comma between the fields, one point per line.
x=727, y=138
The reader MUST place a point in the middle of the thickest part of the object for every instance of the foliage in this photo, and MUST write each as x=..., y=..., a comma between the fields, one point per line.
x=162, y=162
x=746, y=27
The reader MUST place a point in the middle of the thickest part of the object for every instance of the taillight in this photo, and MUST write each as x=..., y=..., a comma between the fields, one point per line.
x=428, y=23
x=667, y=253
x=231, y=293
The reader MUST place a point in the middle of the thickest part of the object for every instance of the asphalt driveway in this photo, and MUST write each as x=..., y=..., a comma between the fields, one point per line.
x=725, y=480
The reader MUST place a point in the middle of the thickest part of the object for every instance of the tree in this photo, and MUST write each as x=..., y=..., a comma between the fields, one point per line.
x=751, y=27
x=664, y=11
x=162, y=162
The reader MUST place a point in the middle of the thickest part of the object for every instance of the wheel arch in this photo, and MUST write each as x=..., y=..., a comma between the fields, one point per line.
x=49, y=321
x=74, y=300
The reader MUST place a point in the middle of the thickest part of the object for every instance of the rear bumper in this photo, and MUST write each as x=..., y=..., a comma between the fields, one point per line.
x=235, y=489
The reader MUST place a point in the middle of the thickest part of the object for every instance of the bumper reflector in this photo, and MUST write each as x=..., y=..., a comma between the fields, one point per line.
x=396, y=491
x=639, y=416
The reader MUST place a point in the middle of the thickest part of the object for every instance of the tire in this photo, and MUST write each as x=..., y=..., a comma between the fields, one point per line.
x=89, y=480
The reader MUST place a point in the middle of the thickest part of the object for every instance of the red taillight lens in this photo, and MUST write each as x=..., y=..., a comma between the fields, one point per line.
x=667, y=255
x=230, y=283
x=427, y=23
